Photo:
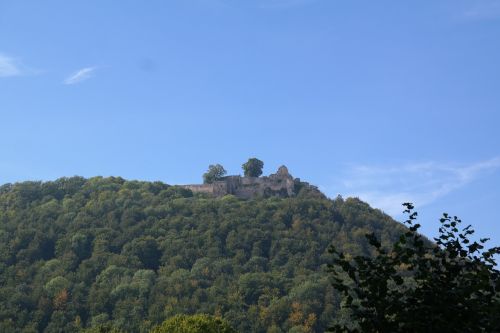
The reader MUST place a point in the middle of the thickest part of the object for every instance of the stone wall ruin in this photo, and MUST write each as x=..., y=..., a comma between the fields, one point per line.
x=280, y=184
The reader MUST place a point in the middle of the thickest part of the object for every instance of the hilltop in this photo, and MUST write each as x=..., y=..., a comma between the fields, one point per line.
x=280, y=184
x=76, y=253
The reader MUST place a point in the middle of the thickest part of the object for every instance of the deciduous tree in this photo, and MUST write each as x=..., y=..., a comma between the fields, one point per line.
x=451, y=285
x=214, y=172
x=253, y=167
x=199, y=323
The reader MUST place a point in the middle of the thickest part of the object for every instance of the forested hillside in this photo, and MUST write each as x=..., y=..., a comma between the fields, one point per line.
x=76, y=253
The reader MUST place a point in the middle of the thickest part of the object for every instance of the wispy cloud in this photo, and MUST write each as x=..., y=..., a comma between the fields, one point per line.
x=80, y=75
x=481, y=9
x=9, y=66
x=386, y=187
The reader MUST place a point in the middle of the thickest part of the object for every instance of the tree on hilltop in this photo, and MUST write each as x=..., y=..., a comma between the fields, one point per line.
x=416, y=286
x=253, y=167
x=214, y=172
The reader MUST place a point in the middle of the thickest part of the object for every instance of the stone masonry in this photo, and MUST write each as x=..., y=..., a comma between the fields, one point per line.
x=280, y=184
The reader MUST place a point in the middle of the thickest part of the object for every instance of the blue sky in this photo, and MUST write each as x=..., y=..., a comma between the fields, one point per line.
x=390, y=101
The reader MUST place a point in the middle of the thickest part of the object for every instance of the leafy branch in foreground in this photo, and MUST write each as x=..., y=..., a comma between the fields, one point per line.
x=417, y=286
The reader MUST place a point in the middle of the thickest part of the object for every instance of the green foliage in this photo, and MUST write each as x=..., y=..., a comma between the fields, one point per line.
x=102, y=329
x=146, y=250
x=56, y=285
x=127, y=255
x=416, y=286
x=81, y=245
x=253, y=167
x=200, y=323
x=214, y=172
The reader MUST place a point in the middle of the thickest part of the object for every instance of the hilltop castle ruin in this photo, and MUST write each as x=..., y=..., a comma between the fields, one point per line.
x=280, y=184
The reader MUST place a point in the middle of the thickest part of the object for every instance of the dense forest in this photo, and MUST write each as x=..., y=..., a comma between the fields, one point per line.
x=77, y=253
